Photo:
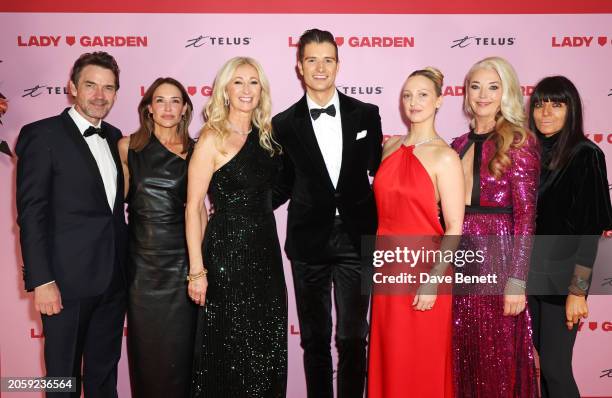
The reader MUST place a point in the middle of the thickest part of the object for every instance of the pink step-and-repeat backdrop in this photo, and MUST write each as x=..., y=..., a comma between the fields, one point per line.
x=379, y=45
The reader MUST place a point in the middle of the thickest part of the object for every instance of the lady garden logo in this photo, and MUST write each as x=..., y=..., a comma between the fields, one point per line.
x=367, y=41
x=83, y=41
x=580, y=41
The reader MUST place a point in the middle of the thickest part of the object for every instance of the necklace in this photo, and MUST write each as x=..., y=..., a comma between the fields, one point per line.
x=235, y=130
x=424, y=141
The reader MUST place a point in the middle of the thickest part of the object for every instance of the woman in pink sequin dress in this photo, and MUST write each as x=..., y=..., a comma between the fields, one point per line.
x=493, y=354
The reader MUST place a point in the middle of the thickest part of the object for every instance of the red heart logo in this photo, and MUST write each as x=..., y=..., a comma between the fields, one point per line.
x=339, y=40
x=602, y=40
x=192, y=90
x=597, y=138
x=592, y=325
x=70, y=40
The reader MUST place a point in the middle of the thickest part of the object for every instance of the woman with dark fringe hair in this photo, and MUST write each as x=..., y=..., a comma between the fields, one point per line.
x=161, y=317
x=572, y=212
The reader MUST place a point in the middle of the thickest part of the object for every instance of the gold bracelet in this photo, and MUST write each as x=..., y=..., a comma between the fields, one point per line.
x=193, y=277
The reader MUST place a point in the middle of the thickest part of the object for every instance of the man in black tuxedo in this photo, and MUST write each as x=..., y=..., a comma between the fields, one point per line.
x=330, y=141
x=72, y=229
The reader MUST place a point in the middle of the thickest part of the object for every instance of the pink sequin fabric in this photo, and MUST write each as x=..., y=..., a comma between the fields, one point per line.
x=493, y=353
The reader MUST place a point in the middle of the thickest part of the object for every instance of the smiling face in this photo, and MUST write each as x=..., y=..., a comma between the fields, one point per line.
x=94, y=93
x=244, y=89
x=484, y=91
x=419, y=99
x=549, y=117
x=319, y=67
x=167, y=107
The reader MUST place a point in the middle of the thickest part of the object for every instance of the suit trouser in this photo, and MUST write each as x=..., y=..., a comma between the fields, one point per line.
x=313, y=282
x=87, y=333
x=555, y=345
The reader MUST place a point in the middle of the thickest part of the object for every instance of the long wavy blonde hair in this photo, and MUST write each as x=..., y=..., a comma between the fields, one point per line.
x=510, y=119
x=216, y=111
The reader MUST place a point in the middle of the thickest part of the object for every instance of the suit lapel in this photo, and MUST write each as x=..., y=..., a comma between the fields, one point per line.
x=112, y=144
x=306, y=135
x=350, y=120
x=75, y=135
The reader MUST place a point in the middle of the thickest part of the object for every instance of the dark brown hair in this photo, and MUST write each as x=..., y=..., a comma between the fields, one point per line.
x=560, y=89
x=141, y=137
x=98, y=58
x=315, y=36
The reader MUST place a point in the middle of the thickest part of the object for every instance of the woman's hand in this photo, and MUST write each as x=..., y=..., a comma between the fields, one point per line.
x=514, y=304
x=425, y=297
x=424, y=302
x=197, y=290
x=575, y=308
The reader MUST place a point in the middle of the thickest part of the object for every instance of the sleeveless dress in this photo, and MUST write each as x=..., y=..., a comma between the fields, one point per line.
x=410, y=350
x=161, y=317
x=493, y=353
x=242, y=329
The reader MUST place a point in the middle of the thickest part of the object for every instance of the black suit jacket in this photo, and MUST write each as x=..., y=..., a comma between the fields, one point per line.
x=305, y=180
x=573, y=211
x=68, y=232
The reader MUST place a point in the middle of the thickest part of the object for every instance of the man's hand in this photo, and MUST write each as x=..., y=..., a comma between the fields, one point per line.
x=47, y=299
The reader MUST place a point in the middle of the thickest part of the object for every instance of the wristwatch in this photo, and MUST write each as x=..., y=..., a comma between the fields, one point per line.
x=583, y=284
x=579, y=286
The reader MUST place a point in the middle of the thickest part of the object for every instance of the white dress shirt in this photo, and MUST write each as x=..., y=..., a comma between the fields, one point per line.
x=101, y=152
x=328, y=131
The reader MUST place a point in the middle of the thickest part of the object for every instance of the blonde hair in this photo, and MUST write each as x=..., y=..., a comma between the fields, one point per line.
x=216, y=111
x=433, y=74
x=509, y=121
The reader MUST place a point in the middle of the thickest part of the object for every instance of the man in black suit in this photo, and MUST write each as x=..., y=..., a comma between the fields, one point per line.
x=72, y=229
x=330, y=141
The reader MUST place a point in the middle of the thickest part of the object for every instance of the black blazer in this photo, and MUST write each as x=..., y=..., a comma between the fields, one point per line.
x=573, y=211
x=305, y=180
x=68, y=232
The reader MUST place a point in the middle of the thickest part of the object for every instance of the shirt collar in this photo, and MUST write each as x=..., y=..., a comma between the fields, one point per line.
x=80, y=121
x=335, y=100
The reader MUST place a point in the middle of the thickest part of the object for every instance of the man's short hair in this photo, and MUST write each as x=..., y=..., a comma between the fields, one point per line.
x=98, y=58
x=315, y=36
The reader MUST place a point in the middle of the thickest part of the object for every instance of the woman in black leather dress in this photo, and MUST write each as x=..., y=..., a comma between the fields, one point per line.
x=161, y=317
x=573, y=211
x=236, y=272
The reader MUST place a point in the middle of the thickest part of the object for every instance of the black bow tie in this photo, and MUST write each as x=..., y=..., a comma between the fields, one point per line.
x=316, y=112
x=91, y=130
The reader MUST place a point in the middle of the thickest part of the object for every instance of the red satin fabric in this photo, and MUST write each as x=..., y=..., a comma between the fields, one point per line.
x=410, y=350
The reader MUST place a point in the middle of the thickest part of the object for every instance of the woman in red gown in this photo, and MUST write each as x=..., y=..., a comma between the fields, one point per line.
x=410, y=337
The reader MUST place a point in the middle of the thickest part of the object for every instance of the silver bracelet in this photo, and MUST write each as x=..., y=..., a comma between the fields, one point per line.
x=518, y=282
